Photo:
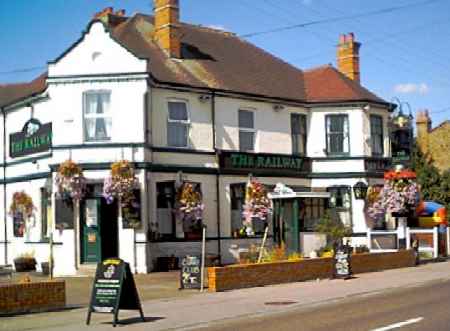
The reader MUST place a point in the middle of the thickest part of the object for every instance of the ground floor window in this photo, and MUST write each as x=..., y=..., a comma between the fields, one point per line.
x=341, y=202
x=46, y=213
x=237, y=201
x=168, y=223
x=313, y=211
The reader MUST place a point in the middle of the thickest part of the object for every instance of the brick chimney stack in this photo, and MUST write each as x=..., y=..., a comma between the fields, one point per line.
x=423, y=125
x=167, y=35
x=348, y=56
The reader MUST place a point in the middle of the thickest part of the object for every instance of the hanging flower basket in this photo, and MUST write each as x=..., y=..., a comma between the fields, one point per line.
x=398, y=195
x=70, y=181
x=22, y=203
x=120, y=183
x=189, y=205
x=257, y=204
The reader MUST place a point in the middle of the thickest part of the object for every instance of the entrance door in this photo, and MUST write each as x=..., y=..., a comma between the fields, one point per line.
x=286, y=224
x=90, y=231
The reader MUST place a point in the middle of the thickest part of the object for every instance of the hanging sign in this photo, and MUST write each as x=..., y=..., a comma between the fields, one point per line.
x=190, y=276
x=34, y=138
x=342, y=262
x=113, y=289
x=263, y=162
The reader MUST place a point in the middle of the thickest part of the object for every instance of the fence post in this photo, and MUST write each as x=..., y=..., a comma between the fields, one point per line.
x=435, y=242
x=369, y=242
x=408, y=239
x=447, y=237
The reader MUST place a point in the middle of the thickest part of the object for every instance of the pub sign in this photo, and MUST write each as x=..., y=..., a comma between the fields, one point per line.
x=34, y=138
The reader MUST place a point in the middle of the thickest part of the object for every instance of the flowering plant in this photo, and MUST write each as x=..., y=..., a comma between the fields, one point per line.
x=70, y=180
x=257, y=204
x=22, y=203
x=399, y=193
x=121, y=182
x=189, y=203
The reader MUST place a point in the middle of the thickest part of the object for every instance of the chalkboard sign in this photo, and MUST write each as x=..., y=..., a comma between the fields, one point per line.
x=190, y=276
x=342, y=262
x=113, y=289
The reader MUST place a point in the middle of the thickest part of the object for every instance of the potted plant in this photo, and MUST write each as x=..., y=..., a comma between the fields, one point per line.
x=335, y=230
x=25, y=262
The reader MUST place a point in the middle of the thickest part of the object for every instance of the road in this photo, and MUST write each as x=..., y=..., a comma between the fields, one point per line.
x=415, y=308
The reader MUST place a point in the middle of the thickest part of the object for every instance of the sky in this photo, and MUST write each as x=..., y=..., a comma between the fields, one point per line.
x=404, y=52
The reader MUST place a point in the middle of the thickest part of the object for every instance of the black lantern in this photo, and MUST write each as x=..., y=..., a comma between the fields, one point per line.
x=360, y=190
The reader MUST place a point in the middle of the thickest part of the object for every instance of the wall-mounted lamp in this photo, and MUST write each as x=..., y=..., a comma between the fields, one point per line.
x=360, y=190
x=204, y=97
x=277, y=107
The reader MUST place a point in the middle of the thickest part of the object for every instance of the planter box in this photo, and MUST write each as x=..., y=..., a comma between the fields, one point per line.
x=25, y=264
x=32, y=297
x=251, y=275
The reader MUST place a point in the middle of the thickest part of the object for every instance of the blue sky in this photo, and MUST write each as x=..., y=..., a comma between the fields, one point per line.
x=404, y=53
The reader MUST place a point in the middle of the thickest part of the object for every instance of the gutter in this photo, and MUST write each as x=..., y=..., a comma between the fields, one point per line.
x=3, y=111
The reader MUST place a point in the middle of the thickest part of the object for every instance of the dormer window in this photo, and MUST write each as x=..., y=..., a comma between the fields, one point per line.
x=97, y=116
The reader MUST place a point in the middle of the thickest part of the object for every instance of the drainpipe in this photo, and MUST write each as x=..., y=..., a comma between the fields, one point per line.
x=4, y=186
x=213, y=115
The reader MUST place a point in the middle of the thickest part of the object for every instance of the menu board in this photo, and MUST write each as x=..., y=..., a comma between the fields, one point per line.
x=190, y=277
x=113, y=289
x=342, y=262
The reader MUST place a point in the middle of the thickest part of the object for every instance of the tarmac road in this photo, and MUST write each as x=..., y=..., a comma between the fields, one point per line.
x=425, y=307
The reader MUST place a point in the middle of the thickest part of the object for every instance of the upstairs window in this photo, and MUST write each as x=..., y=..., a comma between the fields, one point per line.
x=298, y=133
x=178, y=124
x=376, y=135
x=337, y=134
x=246, y=131
x=97, y=116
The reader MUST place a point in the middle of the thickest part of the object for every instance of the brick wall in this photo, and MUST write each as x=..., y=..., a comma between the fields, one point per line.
x=21, y=298
x=251, y=275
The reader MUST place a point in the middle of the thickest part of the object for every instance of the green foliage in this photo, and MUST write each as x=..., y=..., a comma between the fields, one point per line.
x=433, y=185
x=331, y=225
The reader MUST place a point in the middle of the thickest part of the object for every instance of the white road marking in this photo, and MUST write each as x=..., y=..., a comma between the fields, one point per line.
x=399, y=324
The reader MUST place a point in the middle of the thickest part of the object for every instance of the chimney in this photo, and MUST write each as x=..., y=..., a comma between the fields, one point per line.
x=423, y=125
x=167, y=35
x=111, y=18
x=348, y=56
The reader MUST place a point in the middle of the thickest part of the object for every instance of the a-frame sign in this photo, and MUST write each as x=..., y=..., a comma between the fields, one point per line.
x=113, y=289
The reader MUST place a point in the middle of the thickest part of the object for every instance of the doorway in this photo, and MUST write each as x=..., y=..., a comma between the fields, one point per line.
x=98, y=227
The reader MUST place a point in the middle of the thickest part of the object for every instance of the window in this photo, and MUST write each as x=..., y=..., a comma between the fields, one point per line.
x=337, y=134
x=376, y=134
x=341, y=201
x=97, y=116
x=177, y=124
x=246, y=131
x=167, y=226
x=298, y=133
x=237, y=197
x=313, y=210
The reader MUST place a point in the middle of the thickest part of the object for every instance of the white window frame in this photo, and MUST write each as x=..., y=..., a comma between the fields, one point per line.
x=187, y=122
x=86, y=116
x=252, y=130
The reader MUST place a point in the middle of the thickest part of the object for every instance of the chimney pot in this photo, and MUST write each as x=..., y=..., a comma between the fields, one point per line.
x=167, y=26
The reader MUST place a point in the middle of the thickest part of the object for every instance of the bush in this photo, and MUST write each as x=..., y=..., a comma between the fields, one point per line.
x=331, y=225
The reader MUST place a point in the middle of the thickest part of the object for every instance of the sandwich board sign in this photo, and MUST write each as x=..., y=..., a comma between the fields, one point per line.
x=190, y=276
x=113, y=289
x=342, y=262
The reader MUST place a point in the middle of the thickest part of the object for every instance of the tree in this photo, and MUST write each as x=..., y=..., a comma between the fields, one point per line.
x=433, y=185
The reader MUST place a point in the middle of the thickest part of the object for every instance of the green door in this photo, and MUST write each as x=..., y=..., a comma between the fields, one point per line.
x=90, y=236
x=286, y=224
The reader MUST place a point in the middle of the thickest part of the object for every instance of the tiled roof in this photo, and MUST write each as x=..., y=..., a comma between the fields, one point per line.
x=12, y=93
x=214, y=59
x=327, y=84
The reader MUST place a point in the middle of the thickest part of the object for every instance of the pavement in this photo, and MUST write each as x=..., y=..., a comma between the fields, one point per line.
x=204, y=310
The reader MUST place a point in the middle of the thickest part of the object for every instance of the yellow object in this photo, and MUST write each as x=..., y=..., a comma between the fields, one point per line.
x=430, y=221
x=327, y=254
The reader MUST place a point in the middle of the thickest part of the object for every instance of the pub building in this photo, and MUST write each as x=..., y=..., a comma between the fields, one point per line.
x=183, y=104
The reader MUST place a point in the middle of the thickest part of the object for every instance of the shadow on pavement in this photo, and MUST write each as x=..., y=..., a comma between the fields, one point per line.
x=135, y=320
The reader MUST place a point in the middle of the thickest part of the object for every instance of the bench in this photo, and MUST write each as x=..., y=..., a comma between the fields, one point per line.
x=6, y=270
